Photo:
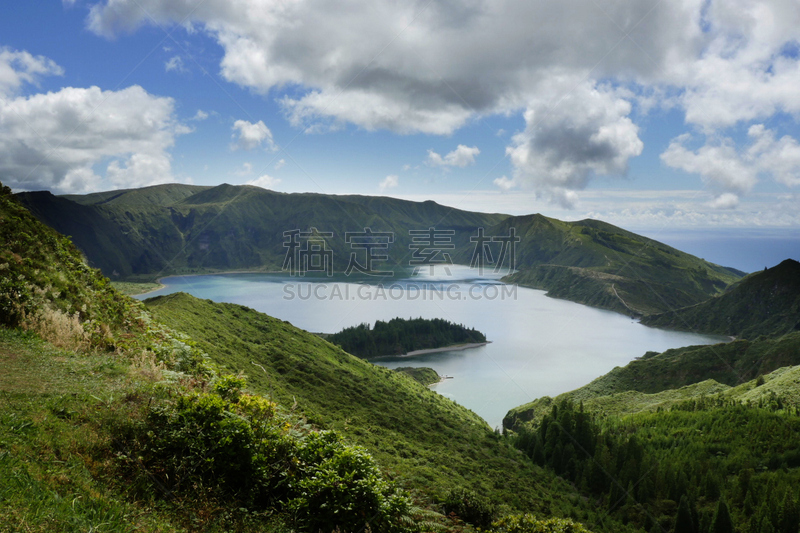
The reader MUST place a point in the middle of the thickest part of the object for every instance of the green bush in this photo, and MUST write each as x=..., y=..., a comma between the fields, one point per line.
x=342, y=486
x=235, y=447
x=526, y=523
x=469, y=507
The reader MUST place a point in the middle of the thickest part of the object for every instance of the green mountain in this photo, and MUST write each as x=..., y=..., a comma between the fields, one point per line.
x=141, y=234
x=763, y=303
x=598, y=264
x=118, y=420
x=729, y=364
x=430, y=442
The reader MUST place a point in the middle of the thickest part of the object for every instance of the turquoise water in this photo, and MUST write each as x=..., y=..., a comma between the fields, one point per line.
x=539, y=345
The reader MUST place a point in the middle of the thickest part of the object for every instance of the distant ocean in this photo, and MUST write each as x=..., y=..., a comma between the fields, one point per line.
x=745, y=249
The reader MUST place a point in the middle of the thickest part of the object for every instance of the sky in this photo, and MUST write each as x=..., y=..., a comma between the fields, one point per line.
x=646, y=114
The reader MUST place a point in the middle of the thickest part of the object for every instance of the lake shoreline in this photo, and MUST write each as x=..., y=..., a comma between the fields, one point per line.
x=451, y=348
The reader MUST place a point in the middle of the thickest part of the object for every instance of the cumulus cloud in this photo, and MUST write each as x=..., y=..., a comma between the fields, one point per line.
x=433, y=66
x=248, y=136
x=280, y=164
x=175, y=63
x=18, y=68
x=731, y=171
x=461, y=157
x=749, y=68
x=265, y=182
x=567, y=140
x=725, y=200
x=420, y=66
x=389, y=182
x=778, y=158
x=719, y=163
x=504, y=184
x=62, y=140
x=200, y=115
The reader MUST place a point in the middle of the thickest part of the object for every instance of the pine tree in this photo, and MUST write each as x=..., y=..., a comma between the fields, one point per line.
x=683, y=520
x=789, y=514
x=722, y=522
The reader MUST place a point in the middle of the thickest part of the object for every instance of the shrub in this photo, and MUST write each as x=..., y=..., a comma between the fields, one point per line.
x=341, y=486
x=469, y=507
x=236, y=447
x=527, y=523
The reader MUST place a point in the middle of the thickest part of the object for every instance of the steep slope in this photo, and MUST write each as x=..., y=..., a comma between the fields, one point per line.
x=729, y=364
x=598, y=264
x=763, y=303
x=427, y=440
x=86, y=436
x=168, y=229
x=45, y=282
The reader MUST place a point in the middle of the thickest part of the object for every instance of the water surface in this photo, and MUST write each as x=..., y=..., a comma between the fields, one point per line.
x=539, y=345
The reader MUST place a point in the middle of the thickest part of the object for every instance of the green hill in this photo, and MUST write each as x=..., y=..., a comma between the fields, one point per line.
x=132, y=424
x=763, y=303
x=424, y=438
x=598, y=264
x=141, y=234
x=729, y=364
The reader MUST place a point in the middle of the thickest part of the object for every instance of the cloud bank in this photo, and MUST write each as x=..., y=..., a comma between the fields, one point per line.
x=577, y=71
x=81, y=139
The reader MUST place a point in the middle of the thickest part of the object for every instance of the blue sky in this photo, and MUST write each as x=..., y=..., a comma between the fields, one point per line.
x=646, y=114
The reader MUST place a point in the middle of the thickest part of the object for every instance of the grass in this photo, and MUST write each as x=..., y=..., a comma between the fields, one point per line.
x=764, y=303
x=423, y=375
x=676, y=374
x=427, y=442
x=53, y=445
x=132, y=289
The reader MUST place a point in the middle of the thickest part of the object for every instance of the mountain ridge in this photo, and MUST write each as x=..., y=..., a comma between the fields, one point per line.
x=142, y=234
x=762, y=303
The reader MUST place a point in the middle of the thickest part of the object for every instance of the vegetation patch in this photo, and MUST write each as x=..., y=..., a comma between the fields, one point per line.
x=400, y=336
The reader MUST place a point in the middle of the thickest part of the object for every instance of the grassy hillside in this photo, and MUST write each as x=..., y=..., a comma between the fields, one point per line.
x=424, y=375
x=131, y=425
x=141, y=234
x=729, y=364
x=763, y=303
x=598, y=264
x=425, y=439
x=697, y=465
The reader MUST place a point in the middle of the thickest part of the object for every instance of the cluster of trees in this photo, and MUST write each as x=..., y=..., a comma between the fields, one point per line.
x=706, y=466
x=399, y=336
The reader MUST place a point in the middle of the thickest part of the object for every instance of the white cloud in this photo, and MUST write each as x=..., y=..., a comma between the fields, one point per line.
x=18, y=68
x=747, y=70
x=432, y=67
x=719, y=164
x=389, y=182
x=725, y=200
x=425, y=67
x=568, y=139
x=200, y=115
x=175, y=63
x=777, y=158
x=504, y=184
x=248, y=136
x=731, y=171
x=280, y=164
x=62, y=140
x=265, y=182
x=247, y=168
x=461, y=157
